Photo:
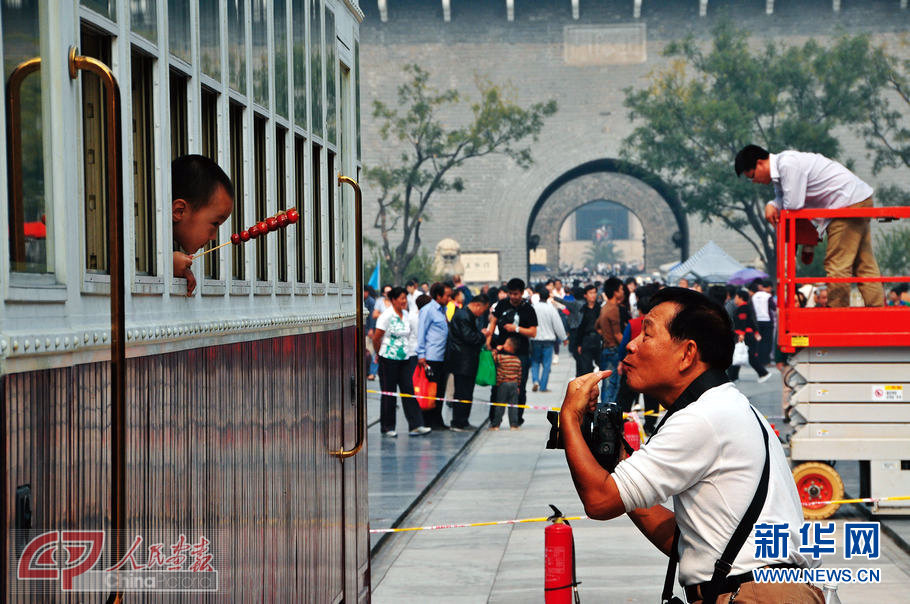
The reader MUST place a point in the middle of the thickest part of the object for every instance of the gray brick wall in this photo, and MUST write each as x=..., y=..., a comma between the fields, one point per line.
x=527, y=55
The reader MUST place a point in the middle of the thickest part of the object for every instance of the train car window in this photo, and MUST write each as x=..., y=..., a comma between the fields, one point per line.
x=260, y=186
x=210, y=38
x=179, y=127
x=300, y=62
x=344, y=151
x=178, y=28
x=28, y=230
x=357, y=94
x=237, y=218
x=280, y=27
x=237, y=46
x=317, y=213
x=300, y=203
x=107, y=8
x=316, y=67
x=209, y=119
x=94, y=153
x=260, y=43
x=330, y=211
x=144, y=19
x=281, y=199
x=331, y=116
x=143, y=162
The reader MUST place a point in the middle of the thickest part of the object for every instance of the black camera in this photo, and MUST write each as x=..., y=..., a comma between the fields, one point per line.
x=602, y=431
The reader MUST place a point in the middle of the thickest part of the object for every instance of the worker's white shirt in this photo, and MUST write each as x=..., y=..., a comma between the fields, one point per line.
x=809, y=180
x=709, y=457
x=760, y=304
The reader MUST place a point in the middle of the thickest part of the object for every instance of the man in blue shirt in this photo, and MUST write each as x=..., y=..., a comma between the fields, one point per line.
x=432, y=334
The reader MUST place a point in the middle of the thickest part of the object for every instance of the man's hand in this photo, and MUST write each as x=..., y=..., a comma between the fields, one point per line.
x=772, y=214
x=582, y=395
x=422, y=362
x=740, y=337
x=510, y=327
x=758, y=337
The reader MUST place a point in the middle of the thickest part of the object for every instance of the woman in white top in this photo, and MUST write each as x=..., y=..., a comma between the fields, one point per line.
x=390, y=338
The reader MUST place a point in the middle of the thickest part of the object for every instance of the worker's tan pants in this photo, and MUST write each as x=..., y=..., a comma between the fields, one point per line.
x=850, y=255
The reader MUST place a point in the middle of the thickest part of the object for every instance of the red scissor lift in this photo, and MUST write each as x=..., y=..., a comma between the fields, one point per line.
x=851, y=380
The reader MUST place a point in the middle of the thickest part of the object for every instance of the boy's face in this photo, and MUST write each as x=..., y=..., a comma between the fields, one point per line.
x=194, y=228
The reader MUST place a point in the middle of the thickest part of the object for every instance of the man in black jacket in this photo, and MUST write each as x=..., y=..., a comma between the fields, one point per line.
x=462, y=354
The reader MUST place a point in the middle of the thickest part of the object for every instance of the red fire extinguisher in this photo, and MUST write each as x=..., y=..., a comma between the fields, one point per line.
x=560, y=584
x=631, y=434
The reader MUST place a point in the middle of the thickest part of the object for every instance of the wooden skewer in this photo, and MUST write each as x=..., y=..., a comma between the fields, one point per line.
x=197, y=256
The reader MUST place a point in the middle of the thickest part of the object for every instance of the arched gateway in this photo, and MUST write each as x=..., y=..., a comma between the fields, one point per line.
x=666, y=231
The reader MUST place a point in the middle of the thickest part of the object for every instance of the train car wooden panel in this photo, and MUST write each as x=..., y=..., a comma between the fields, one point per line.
x=240, y=411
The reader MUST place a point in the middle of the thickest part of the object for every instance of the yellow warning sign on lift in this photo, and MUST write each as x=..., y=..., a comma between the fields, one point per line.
x=888, y=392
x=799, y=340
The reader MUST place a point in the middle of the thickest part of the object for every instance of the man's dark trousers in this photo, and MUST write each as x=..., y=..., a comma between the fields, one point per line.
x=765, y=346
x=464, y=391
x=433, y=417
x=523, y=385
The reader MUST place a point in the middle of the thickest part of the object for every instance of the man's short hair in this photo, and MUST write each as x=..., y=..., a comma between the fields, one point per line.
x=411, y=283
x=702, y=320
x=743, y=294
x=422, y=300
x=748, y=157
x=611, y=285
x=481, y=298
x=437, y=290
x=543, y=293
x=515, y=284
x=589, y=287
x=645, y=295
x=194, y=179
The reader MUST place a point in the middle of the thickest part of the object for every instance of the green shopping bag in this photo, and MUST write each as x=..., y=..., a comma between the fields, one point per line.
x=486, y=369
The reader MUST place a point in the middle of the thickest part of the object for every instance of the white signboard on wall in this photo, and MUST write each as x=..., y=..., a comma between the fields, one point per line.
x=480, y=267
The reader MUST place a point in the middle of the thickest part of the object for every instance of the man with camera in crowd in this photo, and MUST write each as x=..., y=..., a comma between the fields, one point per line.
x=712, y=453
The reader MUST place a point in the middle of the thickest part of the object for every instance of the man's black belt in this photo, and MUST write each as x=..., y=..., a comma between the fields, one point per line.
x=729, y=585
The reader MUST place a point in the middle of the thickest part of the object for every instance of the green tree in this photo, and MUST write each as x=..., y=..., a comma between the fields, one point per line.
x=892, y=251
x=695, y=115
x=887, y=132
x=602, y=252
x=432, y=150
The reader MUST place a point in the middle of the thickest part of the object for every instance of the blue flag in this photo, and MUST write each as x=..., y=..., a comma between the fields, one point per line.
x=374, y=278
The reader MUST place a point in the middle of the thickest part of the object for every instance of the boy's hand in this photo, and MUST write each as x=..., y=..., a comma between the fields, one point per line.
x=182, y=264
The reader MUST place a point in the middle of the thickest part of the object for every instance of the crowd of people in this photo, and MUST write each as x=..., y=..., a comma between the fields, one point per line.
x=442, y=328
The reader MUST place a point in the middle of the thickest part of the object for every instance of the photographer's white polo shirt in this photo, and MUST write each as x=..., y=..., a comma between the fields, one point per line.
x=708, y=456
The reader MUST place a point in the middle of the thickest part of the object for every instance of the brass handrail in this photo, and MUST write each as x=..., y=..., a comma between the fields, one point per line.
x=360, y=336
x=14, y=131
x=79, y=63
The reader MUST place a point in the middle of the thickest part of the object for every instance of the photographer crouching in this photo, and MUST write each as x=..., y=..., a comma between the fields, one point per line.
x=712, y=452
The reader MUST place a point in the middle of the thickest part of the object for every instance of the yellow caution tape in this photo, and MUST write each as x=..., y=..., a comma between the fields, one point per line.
x=481, y=402
x=437, y=527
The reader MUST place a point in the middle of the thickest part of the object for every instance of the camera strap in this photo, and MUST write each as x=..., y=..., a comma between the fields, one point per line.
x=722, y=567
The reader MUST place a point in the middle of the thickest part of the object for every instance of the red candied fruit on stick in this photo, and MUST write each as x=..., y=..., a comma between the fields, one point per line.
x=254, y=231
x=235, y=239
x=244, y=235
x=293, y=215
x=272, y=223
x=263, y=227
x=282, y=220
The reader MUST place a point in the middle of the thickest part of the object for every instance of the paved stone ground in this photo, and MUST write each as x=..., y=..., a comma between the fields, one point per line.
x=505, y=475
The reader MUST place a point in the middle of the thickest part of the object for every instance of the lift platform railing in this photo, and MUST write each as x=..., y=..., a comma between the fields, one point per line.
x=833, y=327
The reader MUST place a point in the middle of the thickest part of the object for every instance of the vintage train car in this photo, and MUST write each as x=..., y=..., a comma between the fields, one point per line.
x=129, y=407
